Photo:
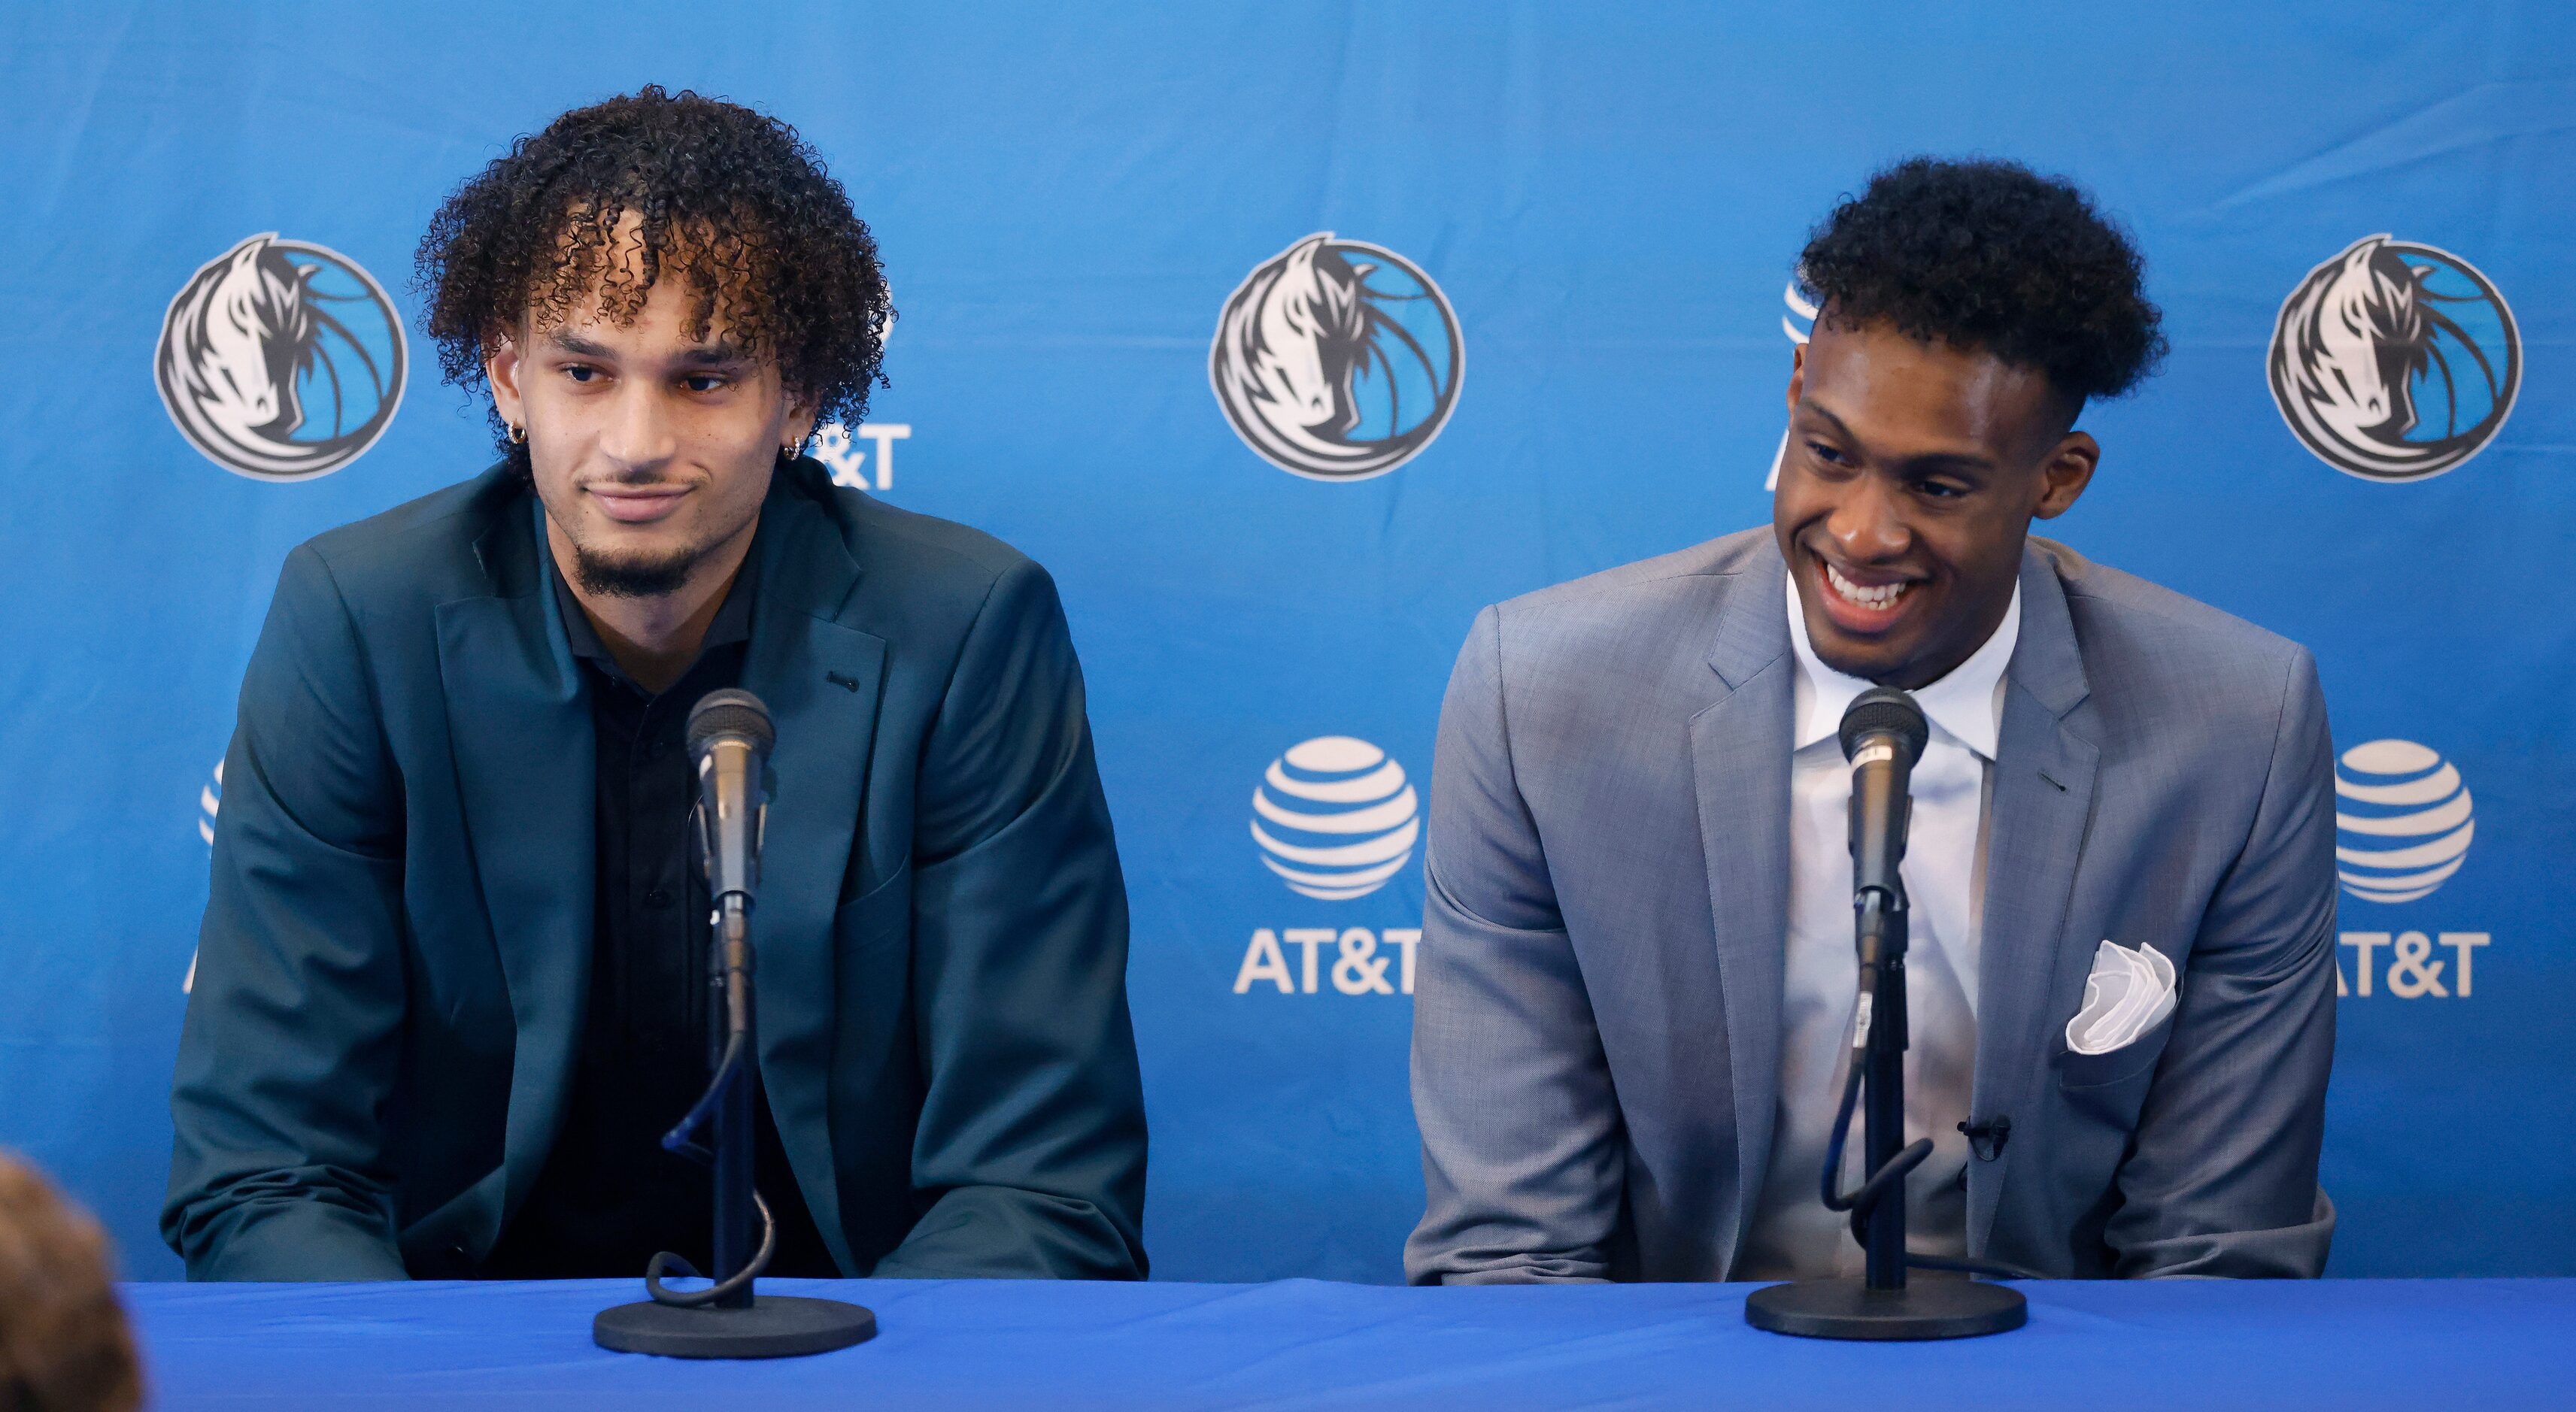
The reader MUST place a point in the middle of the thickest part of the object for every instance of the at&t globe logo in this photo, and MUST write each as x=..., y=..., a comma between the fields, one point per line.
x=2395, y=361
x=1335, y=818
x=210, y=803
x=281, y=360
x=1337, y=359
x=2402, y=821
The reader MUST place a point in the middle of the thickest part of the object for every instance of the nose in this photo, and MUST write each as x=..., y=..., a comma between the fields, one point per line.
x=638, y=438
x=1868, y=522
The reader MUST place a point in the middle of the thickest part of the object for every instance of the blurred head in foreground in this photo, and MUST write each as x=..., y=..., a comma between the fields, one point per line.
x=63, y=1341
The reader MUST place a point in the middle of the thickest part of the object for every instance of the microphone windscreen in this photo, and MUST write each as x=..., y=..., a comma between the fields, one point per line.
x=729, y=712
x=1884, y=709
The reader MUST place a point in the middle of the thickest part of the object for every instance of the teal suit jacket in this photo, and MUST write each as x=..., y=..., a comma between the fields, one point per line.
x=395, y=954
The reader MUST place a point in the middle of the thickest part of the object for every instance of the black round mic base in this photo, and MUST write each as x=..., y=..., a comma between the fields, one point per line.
x=1924, y=1309
x=775, y=1326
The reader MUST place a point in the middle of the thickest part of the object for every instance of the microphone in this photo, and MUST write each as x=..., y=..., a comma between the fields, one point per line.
x=1883, y=734
x=729, y=742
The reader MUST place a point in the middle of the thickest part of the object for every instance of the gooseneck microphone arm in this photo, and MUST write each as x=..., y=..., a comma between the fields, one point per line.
x=725, y=1092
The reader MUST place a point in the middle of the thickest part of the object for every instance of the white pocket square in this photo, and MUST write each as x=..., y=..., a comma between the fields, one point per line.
x=2128, y=994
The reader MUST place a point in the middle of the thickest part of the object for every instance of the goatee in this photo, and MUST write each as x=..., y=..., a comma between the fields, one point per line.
x=633, y=576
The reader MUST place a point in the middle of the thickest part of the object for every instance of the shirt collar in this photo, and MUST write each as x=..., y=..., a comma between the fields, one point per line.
x=1967, y=704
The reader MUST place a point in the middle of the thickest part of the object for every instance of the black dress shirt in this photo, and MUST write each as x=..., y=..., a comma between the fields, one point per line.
x=610, y=1195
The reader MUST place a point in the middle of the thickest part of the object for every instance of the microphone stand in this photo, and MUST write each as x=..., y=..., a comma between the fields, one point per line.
x=1879, y=1223
x=737, y=1202
x=1881, y=1305
x=728, y=1319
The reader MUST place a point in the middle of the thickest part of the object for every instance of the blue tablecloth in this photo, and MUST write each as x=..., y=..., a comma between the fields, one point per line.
x=2485, y=1345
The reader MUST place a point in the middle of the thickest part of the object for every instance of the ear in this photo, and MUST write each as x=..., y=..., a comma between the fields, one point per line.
x=798, y=425
x=2063, y=476
x=1797, y=373
x=502, y=367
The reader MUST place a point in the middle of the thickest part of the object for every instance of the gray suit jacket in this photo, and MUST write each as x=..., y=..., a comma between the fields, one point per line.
x=1596, y=1036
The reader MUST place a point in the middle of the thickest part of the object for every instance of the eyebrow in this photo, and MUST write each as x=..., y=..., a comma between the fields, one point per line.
x=1925, y=464
x=705, y=355
x=576, y=344
x=712, y=355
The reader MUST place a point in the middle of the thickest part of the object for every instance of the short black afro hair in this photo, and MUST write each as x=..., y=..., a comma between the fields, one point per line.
x=728, y=199
x=1990, y=256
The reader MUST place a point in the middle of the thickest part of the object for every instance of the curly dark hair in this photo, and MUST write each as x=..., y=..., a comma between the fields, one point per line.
x=731, y=200
x=1991, y=256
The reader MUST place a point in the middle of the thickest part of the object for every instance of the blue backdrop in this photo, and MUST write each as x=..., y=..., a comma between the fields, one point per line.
x=1560, y=237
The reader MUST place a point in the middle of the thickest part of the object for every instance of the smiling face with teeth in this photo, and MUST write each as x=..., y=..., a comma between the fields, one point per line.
x=1912, y=474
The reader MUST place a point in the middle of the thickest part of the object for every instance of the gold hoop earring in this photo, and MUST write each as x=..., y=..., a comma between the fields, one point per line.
x=794, y=450
x=518, y=434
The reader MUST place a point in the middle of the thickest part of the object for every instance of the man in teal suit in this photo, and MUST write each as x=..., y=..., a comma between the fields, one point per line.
x=451, y=984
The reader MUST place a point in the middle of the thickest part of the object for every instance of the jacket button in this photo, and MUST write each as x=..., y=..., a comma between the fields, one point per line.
x=657, y=898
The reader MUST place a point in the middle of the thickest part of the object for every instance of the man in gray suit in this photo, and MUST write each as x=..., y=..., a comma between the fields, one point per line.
x=1637, y=980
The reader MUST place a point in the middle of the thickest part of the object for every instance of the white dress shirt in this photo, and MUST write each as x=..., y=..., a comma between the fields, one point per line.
x=1792, y=1235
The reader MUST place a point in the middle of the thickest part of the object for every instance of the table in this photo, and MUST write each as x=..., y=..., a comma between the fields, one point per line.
x=2181, y=1346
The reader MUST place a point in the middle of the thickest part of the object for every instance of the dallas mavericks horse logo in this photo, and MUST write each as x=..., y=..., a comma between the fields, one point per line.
x=1337, y=359
x=281, y=360
x=2395, y=361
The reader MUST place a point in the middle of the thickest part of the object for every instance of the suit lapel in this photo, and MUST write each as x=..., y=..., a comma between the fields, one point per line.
x=520, y=731
x=821, y=681
x=2043, y=800
x=1740, y=771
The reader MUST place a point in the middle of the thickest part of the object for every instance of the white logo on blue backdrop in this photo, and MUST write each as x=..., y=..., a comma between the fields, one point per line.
x=1335, y=818
x=2395, y=361
x=2402, y=821
x=838, y=449
x=1337, y=359
x=281, y=360
x=210, y=802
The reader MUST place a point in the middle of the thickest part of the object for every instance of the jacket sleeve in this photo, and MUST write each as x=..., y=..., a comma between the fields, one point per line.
x=1031, y=1143
x=2222, y=1180
x=1521, y=1159
x=287, y=1056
